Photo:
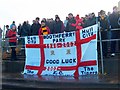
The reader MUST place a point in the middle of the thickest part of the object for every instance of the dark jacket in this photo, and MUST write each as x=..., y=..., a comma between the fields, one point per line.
x=25, y=30
x=35, y=29
x=114, y=17
x=69, y=27
x=6, y=33
x=51, y=27
x=90, y=22
x=104, y=22
x=58, y=27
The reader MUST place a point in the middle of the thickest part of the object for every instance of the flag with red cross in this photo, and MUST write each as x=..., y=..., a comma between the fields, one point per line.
x=64, y=54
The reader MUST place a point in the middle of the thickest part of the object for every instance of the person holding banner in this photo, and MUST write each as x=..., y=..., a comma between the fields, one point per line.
x=44, y=30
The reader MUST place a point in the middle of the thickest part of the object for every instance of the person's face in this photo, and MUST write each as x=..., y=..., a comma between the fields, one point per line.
x=50, y=20
x=7, y=27
x=70, y=16
x=27, y=22
x=115, y=9
x=57, y=20
x=66, y=18
x=37, y=20
x=109, y=13
x=14, y=28
x=56, y=16
x=42, y=24
x=103, y=14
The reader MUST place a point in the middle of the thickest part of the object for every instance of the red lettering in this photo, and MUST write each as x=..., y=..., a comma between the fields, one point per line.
x=59, y=45
x=54, y=45
x=51, y=45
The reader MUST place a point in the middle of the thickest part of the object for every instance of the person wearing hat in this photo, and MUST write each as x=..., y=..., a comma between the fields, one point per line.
x=71, y=20
x=44, y=30
x=12, y=35
x=13, y=24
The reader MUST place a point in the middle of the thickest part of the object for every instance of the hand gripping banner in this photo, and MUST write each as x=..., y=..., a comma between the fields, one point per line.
x=64, y=54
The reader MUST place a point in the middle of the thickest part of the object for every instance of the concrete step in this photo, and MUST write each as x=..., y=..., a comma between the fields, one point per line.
x=58, y=82
x=12, y=66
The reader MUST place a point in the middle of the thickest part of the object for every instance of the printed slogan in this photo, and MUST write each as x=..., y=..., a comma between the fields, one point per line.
x=66, y=54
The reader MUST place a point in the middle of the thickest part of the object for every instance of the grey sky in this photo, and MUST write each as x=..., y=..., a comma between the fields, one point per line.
x=21, y=10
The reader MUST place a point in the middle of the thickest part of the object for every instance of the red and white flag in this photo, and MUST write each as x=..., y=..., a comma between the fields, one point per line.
x=64, y=54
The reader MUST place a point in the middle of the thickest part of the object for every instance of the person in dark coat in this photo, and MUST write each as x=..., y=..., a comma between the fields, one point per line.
x=24, y=31
x=104, y=24
x=114, y=23
x=51, y=25
x=91, y=20
x=35, y=27
x=58, y=26
x=71, y=20
x=19, y=29
x=29, y=26
x=104, y=21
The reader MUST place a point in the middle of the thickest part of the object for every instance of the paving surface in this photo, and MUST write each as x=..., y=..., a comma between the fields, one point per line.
x=18, y=80
x=12, y=78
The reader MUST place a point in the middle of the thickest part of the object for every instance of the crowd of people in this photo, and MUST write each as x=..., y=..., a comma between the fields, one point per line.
x=72, y=23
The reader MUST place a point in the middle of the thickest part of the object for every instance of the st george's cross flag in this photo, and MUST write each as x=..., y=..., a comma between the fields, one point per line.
x=63, y=54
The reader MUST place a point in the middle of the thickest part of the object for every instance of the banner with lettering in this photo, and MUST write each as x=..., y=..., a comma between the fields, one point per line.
x=64, y=54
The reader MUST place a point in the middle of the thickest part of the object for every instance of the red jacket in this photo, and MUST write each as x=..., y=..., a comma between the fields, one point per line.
x=12, y=36
x=44, y=30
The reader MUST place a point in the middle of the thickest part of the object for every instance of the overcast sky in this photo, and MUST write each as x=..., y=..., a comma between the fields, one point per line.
x=21, y=10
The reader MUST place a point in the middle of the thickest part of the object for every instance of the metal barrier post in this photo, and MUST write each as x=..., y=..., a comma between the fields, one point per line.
x=101, y=52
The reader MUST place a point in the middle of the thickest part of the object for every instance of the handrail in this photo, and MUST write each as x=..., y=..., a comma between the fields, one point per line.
x=116, y=29
x=105, y=40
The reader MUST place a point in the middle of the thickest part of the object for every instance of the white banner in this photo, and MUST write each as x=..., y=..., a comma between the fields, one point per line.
x=65, y=54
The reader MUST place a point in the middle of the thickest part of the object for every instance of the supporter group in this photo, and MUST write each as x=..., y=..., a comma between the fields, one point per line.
x=45, y=26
